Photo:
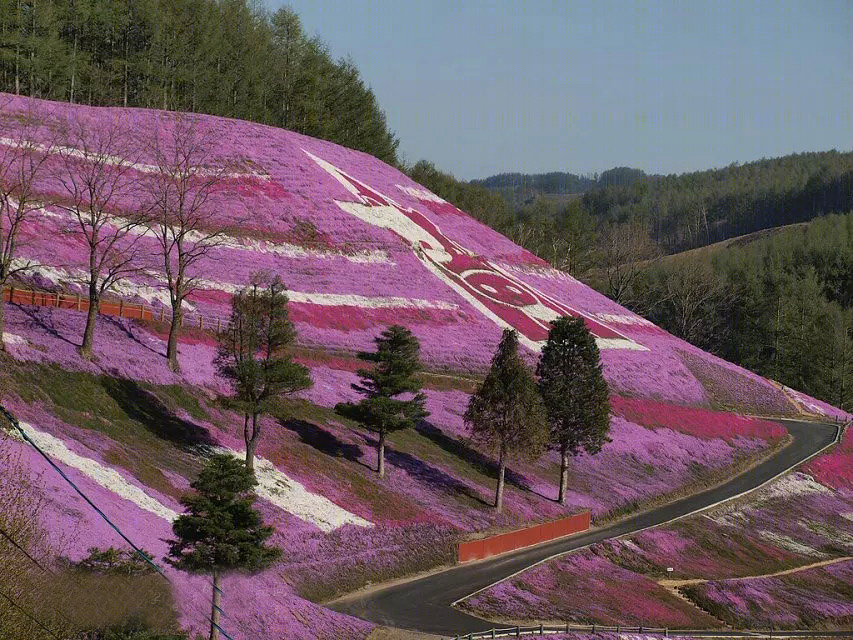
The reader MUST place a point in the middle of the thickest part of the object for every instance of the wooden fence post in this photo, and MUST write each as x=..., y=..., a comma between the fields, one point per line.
x=201, y=322
x=11, y=295
x=541, y=629
x=121, y=308
x=79, y=302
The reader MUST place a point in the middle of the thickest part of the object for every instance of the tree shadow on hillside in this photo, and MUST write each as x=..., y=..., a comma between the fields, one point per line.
x=43, y=319
x=125, y=328
x=147, y=409
x=482, y=463
x=322, y=440
x=426, y=473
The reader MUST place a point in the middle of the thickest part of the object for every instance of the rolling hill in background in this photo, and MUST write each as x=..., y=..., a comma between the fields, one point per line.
x=519, y=188
x=359, y=246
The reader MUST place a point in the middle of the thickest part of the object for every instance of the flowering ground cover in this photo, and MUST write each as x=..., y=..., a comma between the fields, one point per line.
x=586, y=588
x=349, y=236
x=815, y=598
x=721, y=566
x=360, y=246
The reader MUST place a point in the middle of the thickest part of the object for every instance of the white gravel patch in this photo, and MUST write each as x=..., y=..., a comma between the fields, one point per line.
x=126, y=288
x=793, y=484
x=291, y=496
x=98, y=473
x=785, y=542
x=273, y=485
x=13, y=338
x=119, y=161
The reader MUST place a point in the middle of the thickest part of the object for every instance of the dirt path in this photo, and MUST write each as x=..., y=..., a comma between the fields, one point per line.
x=677, y=584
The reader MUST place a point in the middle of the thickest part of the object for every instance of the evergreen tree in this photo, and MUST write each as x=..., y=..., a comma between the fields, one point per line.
x=506, y=413
x=574, y=393
x=220, y=530
x=222, y=57
x=394, y=374
x=254, y=355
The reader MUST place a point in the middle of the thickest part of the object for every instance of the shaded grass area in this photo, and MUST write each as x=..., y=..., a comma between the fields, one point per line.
x=145, y=436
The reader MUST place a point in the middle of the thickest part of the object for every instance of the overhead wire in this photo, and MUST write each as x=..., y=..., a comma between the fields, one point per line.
x=14, y=421
x=29, y=615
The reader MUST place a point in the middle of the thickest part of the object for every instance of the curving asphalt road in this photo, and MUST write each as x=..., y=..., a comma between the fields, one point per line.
x=425, y=604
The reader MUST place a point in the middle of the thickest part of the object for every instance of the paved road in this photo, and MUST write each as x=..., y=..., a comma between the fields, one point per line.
x=425, y=604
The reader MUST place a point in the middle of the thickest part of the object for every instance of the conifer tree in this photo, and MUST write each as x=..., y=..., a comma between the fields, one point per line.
x=254, y=355
x=220, y=530
x=505, y=413
x=382, y=409
x=574, y=393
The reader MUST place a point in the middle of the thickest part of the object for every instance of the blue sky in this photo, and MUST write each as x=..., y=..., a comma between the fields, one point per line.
x=481, y=87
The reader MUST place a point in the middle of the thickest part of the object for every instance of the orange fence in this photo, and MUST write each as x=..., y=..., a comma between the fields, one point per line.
x=108, y=307
x=494, y=545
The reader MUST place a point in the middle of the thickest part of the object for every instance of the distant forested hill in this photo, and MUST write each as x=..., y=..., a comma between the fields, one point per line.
x=780, y=303
x=699, y=208
x=221, y=57
x=695, y=209
x=521, y=187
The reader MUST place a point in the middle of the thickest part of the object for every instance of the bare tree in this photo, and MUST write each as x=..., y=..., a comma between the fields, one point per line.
x=97, y=174
x=697, y=297
x=179, y=211
x=627, y=250
x=22, y=167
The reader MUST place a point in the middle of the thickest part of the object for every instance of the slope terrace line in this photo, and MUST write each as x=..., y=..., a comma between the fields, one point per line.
x=427, y=603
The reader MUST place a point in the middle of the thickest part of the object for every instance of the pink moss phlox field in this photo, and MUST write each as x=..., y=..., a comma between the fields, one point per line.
x=835, y=469
x=701, y=423
x=586, y=588
x=348, y=279
x=816, y=598
x=259, y=606
x=290, y=224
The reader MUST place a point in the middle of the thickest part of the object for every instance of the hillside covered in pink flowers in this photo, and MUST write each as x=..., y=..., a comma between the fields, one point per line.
x=359, y=246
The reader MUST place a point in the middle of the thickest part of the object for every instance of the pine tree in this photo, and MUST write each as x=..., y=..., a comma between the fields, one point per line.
x=382, y=410
x=220, y=530
x=574, y=393
x=506, y=413
x=254, y=354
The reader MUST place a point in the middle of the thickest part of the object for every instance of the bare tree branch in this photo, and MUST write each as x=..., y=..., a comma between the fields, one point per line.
x=22, y=167
x=96, y=171
x=179, y=208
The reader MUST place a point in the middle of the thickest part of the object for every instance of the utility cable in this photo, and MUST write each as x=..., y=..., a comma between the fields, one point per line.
x=29, y=615
x=24, y=551
x=14, y=421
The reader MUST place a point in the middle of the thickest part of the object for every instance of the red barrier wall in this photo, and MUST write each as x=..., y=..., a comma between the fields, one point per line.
x=494, y=545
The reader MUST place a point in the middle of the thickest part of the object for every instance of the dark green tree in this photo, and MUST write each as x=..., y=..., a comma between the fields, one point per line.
x=506, y=414
x=254, y=355
x=574, y=393
x=391, y=388
x=220, y=530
